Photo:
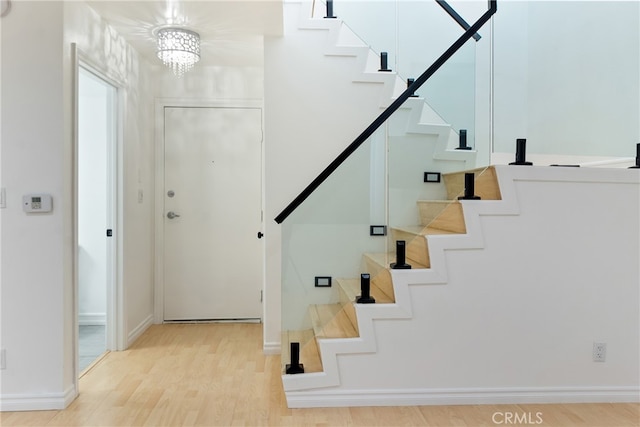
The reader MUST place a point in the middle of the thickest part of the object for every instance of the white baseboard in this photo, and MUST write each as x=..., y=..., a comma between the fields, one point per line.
x=271, y=348
x=37, y=402
x=139, y=330
x=476, y=396
x=92, y=319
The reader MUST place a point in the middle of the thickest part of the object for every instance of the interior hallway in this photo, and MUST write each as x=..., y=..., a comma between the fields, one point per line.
x=91, y=344
x=217, y=375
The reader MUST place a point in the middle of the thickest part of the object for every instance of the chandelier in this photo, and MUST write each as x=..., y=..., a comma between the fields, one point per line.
x=179, y=49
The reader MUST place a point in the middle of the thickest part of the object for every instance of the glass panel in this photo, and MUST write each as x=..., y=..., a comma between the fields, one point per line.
x=326, y=237
x=415, y=34
x=566, y=79
x=425, y=32
x=375, y=22
x=421, y=141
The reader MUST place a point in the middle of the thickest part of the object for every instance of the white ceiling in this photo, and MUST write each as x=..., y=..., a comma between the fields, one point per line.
x=231, y=31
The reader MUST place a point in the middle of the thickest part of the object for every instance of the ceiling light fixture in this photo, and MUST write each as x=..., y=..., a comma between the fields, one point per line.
x=179, y=49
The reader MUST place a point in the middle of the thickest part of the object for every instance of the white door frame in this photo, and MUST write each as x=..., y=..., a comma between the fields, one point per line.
x=115, y=339
x=161, y=104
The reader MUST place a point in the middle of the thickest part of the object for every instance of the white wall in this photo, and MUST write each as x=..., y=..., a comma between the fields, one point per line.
x=36, y=319
x=524, y=308
x=37, y=309
x=566, y=77
x=211, y=83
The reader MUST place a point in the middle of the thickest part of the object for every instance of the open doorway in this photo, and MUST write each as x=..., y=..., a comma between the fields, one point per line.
x=96, y=262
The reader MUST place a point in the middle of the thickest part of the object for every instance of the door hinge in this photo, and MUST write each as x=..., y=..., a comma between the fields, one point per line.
x=261, y=296
x=109, y=232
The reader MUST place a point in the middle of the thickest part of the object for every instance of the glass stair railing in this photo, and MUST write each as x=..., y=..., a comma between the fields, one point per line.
x=307, y=319
x=346, y=222
x=413, y=35
x=326, y=236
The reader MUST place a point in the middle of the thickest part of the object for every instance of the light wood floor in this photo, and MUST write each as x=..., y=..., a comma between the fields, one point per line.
x=216, y=375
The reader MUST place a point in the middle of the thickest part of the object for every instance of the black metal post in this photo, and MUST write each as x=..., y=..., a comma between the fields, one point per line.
x=462, y=141
x=469, y=187
x=295, y=367
x=401, y=262
x=365, y=290
x=409, y=83
x=521, y=153
x=330, y=10
x=637, y=166
x=384, y=62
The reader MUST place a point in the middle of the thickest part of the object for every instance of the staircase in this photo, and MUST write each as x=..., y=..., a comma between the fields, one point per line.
x=505, y=296
x=340, y=320
x=335, y=51
x=477, y=320
x=431, y=139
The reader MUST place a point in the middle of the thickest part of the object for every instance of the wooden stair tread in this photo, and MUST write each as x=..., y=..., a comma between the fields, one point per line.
x=384, y=259
x=421, y=230
x=476, y=171
x=309, y=354
x=351, y=288
x=430, y=231
x=331, y=321
x=486, y=183
x=439, y=202
x=410, y=229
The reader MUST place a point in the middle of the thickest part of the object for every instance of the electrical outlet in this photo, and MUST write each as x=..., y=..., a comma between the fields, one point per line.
x=599, y=351
x=3, y=359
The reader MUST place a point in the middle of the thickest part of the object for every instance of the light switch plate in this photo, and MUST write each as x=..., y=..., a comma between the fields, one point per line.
x=377, y=230
x=323, y=281
x=432, y=176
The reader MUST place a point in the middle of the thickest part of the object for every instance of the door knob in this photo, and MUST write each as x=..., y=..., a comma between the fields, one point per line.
x=172, y=214
x=260, y=234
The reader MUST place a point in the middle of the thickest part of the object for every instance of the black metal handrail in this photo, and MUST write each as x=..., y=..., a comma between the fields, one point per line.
x=351, y=148
x=456, y=17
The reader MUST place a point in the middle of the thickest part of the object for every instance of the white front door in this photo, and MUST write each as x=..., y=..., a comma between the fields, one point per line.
x=212, y=213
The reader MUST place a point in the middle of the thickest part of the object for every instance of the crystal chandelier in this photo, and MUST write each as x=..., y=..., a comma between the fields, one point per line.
x=179, y=49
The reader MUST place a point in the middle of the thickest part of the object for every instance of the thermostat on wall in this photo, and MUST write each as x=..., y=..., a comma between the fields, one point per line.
x=35, y=203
